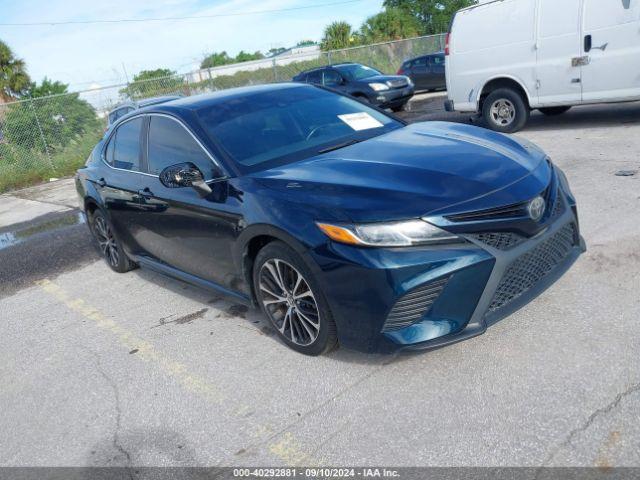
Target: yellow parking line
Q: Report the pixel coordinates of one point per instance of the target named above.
(285, 448)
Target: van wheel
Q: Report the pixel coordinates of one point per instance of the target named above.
(553, 111)
(505, 111)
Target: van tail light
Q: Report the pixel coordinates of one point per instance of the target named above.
(446, 43)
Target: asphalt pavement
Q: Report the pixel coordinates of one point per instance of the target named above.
(101, 369)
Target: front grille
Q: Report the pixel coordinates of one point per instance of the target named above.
(397, 83)
(529, 269)
(517, 210)
(414, 305)
(499, 240)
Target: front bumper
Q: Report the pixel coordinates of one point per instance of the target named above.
(394, 98)
(483, 285)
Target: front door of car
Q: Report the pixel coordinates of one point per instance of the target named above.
(420, 73)
(559, 58)
(611, 30)
(436, 71)
(118, 188)
(332, 79)
(179, 227)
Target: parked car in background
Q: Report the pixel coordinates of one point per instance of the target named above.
(128, 107)
(364, 83)
(343, 224)
(427, 72)
(507, 58)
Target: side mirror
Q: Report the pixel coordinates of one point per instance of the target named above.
(185, 175)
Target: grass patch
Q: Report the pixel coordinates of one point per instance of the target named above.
(21, 168)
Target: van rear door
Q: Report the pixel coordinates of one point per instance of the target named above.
(559, 52)
(612, 30)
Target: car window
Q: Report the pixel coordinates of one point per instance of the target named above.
(170, 143)
(123, 150)
(332, 78)
(315, 77)
(419, 62)
(356, 71)
(437, 60)
(273, 128)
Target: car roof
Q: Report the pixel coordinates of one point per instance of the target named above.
(155, 100)
(434, 54)
(199, 102)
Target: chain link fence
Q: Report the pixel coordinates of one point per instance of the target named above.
(47, 137)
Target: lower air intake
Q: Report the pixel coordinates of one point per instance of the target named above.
(412, 307)
(532, 267)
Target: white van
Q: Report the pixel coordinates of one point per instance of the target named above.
(508, 57)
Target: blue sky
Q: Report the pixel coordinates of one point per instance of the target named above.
(88, 56)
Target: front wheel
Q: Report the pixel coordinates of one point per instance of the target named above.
(553, 111)
(291, 299)
(505, 111)
(109, 246)
(400, 108)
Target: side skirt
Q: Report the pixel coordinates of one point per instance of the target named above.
(170, 271)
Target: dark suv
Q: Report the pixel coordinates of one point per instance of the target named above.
(427, 71)
(364, 83)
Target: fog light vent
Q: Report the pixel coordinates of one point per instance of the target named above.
(413, 306)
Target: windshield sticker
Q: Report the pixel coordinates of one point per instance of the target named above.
(360, 121)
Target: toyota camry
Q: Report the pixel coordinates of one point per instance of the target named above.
(343, 224)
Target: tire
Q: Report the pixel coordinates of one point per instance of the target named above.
(554, 111)
(505, 111)
(400, 108)
(300, 316)
(108, 245)
(363, 99)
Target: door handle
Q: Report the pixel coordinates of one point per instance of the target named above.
(102, 183)
(588, 43)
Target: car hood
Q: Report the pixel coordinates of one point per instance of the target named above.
(424, 169)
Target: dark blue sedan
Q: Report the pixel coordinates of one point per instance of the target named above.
(344, 225)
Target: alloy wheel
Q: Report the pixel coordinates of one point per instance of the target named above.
(503, 112)
(106, 241)
(289, 301)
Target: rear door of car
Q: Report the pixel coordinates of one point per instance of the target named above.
(178, 227)
(121, 182)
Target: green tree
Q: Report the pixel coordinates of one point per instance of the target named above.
(216, 60)
(47, 88)
(276, 51)
(14, 80)
(247, 57)
(152, 83)
(434, 15)
(338, 35)
(391, 24)
(61, 118)
(305, 43)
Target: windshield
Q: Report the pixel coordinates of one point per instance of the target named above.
(271, 128)
(357, 72)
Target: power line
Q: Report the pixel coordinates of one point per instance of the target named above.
(167, 19)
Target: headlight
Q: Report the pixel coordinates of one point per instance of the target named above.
(379, 87)
(396, 234)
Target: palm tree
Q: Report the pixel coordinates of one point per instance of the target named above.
(336, 36)
(14, 80)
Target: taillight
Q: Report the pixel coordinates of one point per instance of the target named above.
(400, 72)
(446, 44)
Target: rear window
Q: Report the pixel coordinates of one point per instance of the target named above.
(266, 129)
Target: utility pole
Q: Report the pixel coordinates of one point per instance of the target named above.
(126, 77)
